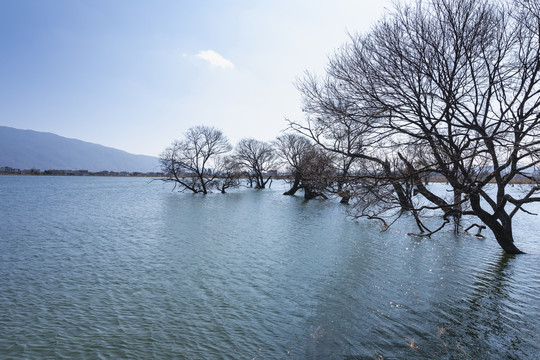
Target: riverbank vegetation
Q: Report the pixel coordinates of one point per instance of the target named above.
(436, 90)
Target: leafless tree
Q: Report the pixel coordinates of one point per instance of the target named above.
(311, 168)
(230, 173)
(195, 163)
(256, 157)
(291, 148)
(360, 145)
(444, 87)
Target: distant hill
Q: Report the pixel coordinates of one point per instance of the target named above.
(26, 149)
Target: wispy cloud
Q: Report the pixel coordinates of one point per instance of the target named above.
(215, 59)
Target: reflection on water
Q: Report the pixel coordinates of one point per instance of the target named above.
(119, 268)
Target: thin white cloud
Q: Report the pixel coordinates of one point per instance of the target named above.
(215, 59)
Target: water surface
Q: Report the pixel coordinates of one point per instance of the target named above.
(122, 268)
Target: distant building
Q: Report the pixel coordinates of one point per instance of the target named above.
(6, 170)
(76, 172)
(30, 172)
(54, 172)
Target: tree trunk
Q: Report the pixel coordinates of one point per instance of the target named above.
(345, 195)
(457, 208)
(203, 184)
(265, 182)
(501, 226)
(404, 200)
(345, 199)
(310, 194)
(504, 237)
(295, 187)
(259, 181)
(250, 180)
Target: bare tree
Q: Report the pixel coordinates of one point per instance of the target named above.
(194, 163)
(230, 173)
(257, 158)
(311, 169)
(444, 87)
(362, 147)
(291, 148)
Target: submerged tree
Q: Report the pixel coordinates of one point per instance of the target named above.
(256, 157)
(291, 148)
(195, 163)
(230, 173)
(361, 147)
(310, 168)
(444, 87)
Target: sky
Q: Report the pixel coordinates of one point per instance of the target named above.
(135, 75)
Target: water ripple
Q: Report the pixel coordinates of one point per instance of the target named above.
(118, 268)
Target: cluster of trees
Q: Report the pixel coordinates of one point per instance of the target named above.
(204, 160)
(447, 88)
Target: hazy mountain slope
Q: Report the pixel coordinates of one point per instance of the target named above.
(25, 149)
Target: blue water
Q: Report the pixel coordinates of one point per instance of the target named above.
(120, 268)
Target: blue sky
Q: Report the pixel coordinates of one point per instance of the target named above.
(135, 74)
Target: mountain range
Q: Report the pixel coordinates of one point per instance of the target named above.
(27, 149)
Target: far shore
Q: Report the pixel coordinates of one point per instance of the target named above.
(81, 173)
(85, 173)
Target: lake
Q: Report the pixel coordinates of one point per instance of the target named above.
(124, 268)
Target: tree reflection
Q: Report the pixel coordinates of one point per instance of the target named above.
(487, 326)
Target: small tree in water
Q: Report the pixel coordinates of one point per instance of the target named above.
(196, 162)
(311, 168)
(256, 157)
